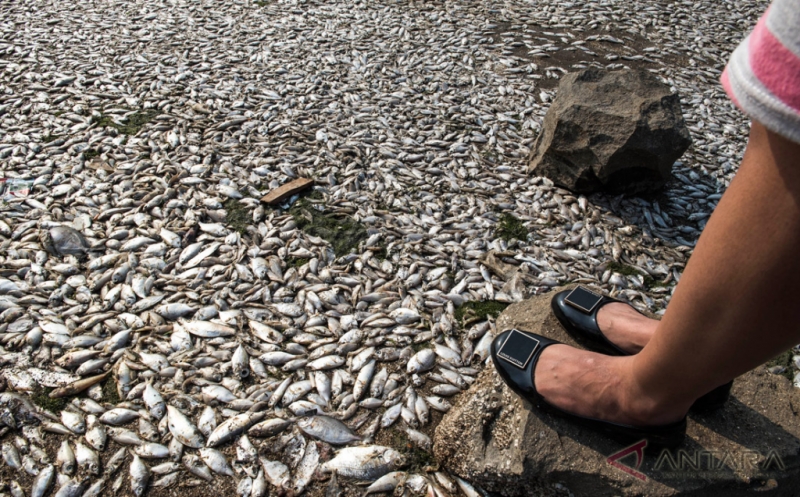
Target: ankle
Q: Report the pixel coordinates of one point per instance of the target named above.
(653, 405)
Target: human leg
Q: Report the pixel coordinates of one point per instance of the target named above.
(733, 309)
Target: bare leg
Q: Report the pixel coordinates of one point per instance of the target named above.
(734, 308)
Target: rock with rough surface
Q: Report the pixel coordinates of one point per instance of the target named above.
(507, 446)
(617, 131)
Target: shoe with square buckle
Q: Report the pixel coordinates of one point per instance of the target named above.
(577, 310)
(515, 355)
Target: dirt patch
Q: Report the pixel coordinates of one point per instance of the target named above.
(785, 361)
(237, 216)
(110, 393)
(340, 230)
(473, 311)
(41, 397)
(510, 227)
(133, 123)
(90, 153)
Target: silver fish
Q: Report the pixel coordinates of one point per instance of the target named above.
(268, 427)
(140, 476)
(422, 361)
(328, 430)
(87, 458)
(233, 427)
(215, 460)
(277, 474)
(182, 429)
(387, 482)
(41, 484)
(364, 463)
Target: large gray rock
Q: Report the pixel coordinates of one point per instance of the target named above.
(617, 131)
(506, 446)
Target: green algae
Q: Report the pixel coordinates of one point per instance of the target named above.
(41, 397)
(237, 216)
(510, 227)
(133, 123)
(478, 311)
(343, 232)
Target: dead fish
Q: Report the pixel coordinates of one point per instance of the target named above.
(265, 332)
(422, 361)
(11, 456)
(175, 310)
(268, 427)
(387, 482)
(215, 460)
(154, 401)
(277, 474)
(87, 458)
(183, 429)
(233, 427)
(207, 329)
(41, 484)
(140, 476)
(65, 458)
(328, 430)
(364, 463)
(77, 386)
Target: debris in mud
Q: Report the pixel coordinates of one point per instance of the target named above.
(477, 311)
(510, 227)
(110, 393)
(285, 191)
(417, 458)
(130, 125)
(41, 397)
(237, 216)
(11, 188)
(63, 240)
(782, 365)
(90, 153)
(342, 231)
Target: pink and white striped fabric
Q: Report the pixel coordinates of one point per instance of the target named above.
(763, 74)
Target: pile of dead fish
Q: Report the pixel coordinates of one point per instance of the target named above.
(183, 349)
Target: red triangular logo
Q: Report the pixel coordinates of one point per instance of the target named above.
(638, 449)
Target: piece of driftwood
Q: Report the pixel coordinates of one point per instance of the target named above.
(287, 190)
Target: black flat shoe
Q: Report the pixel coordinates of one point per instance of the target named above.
(577, 310)
(515, 355)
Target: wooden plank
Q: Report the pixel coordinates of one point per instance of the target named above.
(285, 191)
